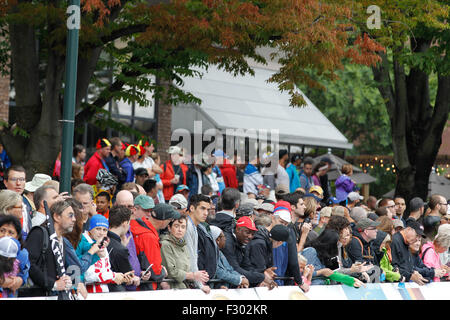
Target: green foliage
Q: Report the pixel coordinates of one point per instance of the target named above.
(354, 105)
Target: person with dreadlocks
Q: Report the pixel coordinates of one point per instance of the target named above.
(97, 161)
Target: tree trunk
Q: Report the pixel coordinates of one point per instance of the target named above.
(416, 126)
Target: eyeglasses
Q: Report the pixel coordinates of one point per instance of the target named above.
(444, 204)
(371, 228)
(17, 179)
(393, 206)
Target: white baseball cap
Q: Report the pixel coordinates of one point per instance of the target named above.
(284, 215)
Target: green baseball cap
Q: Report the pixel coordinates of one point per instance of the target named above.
(144, 201)
(164, 211)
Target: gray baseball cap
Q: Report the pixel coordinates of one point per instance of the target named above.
(365, 223)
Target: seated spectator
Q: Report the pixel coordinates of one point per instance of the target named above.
(401, 255)
(99, 273)
(432, 249)
(360, 248)
(234, 251)
(175, 257)
(398, 225)
(103, 202)
(346, 266)
(323, 255)
(325, 215)
(425, 272)
(10, 227)
(391, 274)
(259, 251)
(357, 213)
(225, 272)
(305, 269)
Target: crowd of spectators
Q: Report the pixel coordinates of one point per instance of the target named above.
(132, 223)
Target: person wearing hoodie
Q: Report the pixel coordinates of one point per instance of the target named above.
(230, 202)
(259, 251)
(99, 273)
(225, 272)
(431, 250)
(175, 256)
(344, 184)
(391, 274)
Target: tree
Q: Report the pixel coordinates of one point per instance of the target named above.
(354, 105)
(416, 34)
(166, 39)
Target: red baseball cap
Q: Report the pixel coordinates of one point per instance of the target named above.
(246, 222)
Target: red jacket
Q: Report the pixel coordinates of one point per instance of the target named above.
(91, 168)
(229, 174)
(146, 240)
(167, 175)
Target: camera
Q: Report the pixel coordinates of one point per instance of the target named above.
(307, 220)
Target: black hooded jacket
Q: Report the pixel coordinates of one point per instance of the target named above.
(259, 251)
(224, 221)
(235, 253)
(361, 250)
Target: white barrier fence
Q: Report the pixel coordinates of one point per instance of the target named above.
(374, 291)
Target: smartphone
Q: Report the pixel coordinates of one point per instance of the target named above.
(147, 270)
(102, 242)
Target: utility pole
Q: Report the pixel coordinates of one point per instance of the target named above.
(70, 89)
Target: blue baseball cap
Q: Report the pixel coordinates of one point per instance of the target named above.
(181, 187)
(98, 220)
(333, 200)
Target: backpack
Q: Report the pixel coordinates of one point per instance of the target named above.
(29, 289)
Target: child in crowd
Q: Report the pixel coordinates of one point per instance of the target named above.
(99, 274)
(10, 226)
(306, 270)
(103, 202)
(385, 263)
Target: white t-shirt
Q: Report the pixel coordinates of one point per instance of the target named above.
(282, 176)
(147, 163)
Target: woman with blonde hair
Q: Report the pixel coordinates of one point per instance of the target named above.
(432, 249)
(11, 203)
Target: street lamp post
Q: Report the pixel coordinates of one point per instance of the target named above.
(70, 88)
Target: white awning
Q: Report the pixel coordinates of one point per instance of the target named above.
(249, 102)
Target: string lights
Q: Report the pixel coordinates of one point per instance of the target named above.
(367, 162)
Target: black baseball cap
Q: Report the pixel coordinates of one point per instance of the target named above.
(417, 227)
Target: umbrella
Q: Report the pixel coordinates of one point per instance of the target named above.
(335, 171)
(436, 185)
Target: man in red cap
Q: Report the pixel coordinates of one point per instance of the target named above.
(234, 251)
(97, 161)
